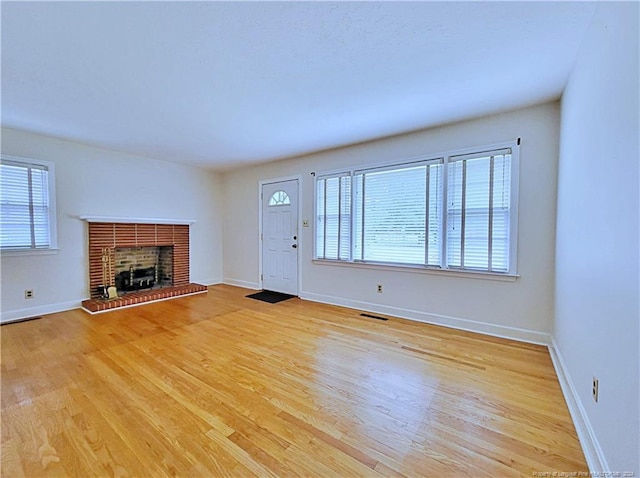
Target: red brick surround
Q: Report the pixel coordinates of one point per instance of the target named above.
(111, 235)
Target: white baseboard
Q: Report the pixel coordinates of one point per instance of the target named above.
(590, 445)
(241, 283)
(19, 314)
(207, 282)
(514, 333)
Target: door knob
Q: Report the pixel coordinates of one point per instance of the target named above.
(295, 246)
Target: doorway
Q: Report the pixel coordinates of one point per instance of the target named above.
(280, 236)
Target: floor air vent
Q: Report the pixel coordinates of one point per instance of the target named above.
(373, 316)
(17, 321)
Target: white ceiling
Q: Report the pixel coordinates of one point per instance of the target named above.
(219, 84)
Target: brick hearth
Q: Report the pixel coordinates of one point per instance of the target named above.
(135, 298)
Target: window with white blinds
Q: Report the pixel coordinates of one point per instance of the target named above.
(397, 214)
(333, 225)
(454, 212)
(478, 211)
(27, 218)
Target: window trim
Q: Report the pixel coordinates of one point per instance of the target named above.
(53, 223)
(446, 157)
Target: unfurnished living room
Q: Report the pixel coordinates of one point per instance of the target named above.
(320, 239)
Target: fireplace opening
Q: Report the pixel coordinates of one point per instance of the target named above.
(136, 279)
(140, 268)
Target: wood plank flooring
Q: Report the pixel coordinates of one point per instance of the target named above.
(221, 385)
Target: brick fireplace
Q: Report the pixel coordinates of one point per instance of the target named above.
(116, 248)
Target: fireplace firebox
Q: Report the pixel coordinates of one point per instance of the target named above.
(139, 268)
(136, 279)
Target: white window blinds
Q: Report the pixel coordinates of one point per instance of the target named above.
(24, 205)
(333, 221)
(478, 211)
(454, 212)
(397, 214)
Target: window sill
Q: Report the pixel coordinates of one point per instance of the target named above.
(421, 270)
(28, 252)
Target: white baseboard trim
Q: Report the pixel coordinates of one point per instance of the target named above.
(514, 333)
(241, 283)
(590, 445)
(19, 314)
(207, 282)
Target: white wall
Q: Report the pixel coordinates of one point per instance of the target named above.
(91, 181)
(521, 309)
(597, 287)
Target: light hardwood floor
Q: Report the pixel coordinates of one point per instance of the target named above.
(221, 385)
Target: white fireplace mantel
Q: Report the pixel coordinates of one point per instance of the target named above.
(136, 220)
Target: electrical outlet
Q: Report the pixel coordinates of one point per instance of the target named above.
(305, 223)
(594, 389)
(379, 288)
(28, 294)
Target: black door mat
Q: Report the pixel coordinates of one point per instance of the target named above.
(270, 296)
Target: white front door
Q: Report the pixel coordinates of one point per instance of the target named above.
(280, 237)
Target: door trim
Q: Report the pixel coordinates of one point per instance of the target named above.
(298, 179)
